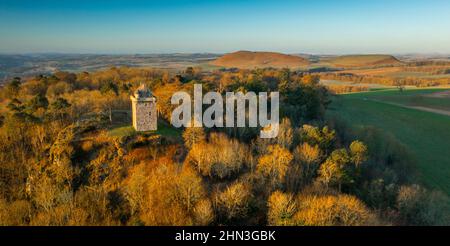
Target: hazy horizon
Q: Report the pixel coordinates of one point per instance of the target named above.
(149, 27)
(222, 53)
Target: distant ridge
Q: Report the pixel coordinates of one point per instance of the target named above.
(249, 60)
(364, 60)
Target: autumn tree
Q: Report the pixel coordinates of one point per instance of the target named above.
(329, 210)
(358, 152)
(311, 80)
(417, 206)
(193, 135)
(170, 196)
(308, 158)
(13, 87)
(59, 108)
(275, 164)
(285, 136)
(219, 157)
(324, 137)
(281, 209)
(110, 90)
(203, 212)
(233, 202)
(334, 171)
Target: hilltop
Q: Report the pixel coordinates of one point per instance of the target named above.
(364, 60)
(248, 59)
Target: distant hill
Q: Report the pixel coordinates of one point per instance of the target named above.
(249, 60)
(24, 65)
(364, 60)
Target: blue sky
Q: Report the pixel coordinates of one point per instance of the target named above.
(319, 27)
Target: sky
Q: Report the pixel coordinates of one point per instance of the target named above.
(173, 26)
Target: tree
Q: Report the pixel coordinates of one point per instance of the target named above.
(285, 136)
(188, 188)
(284, 81)
(16, 213)
(358, 152)
(13, 87)
(219, 157)
(324, 137)
(59, 107)
(275, 164)
(190, 72)
(311, 80)
(203, 212)
(135, 187)
(193, 135)
(37, 102)
(328, 210)
(169, 196)
(281, 209)
(59, 89)
(400, 84)
(417, 206)
(308, 157)
(110, 90)
(233, 202)
(15, 105)
(335, 169)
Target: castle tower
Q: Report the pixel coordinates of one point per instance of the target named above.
(144, 110)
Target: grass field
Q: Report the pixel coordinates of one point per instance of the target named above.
(128, 130)
(426, 134)
(122, 126)
(410, 98)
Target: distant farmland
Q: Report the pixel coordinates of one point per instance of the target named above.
(425, 134)
(364, 60)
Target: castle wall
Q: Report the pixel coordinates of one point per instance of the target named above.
(144, 114)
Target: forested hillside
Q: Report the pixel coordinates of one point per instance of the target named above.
(66, 160)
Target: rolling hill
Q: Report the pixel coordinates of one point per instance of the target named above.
(248, 60)
(364, 60)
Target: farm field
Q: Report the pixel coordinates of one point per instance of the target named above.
(438, 98)
(425, 134)
(394, 72)
(348, 83)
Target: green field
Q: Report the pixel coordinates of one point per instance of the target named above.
(410, 98)
(128, 130)
(426, 134)
(347, 83)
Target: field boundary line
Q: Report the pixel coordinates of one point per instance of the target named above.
(420, 108)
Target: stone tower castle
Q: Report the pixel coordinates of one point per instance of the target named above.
(144, 110)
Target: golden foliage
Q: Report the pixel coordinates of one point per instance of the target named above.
(193, 135)
(308, 154)
(359, 152)
(275, 164)
(167, 195)
(233, 202)
(341, 210)
(219, 157)
(281, 209)
(203, 212)
(15, 213)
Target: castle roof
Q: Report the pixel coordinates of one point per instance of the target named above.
(142, 92)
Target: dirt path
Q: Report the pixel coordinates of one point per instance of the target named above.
(433, 110)
(426, 109)
(440, 94)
